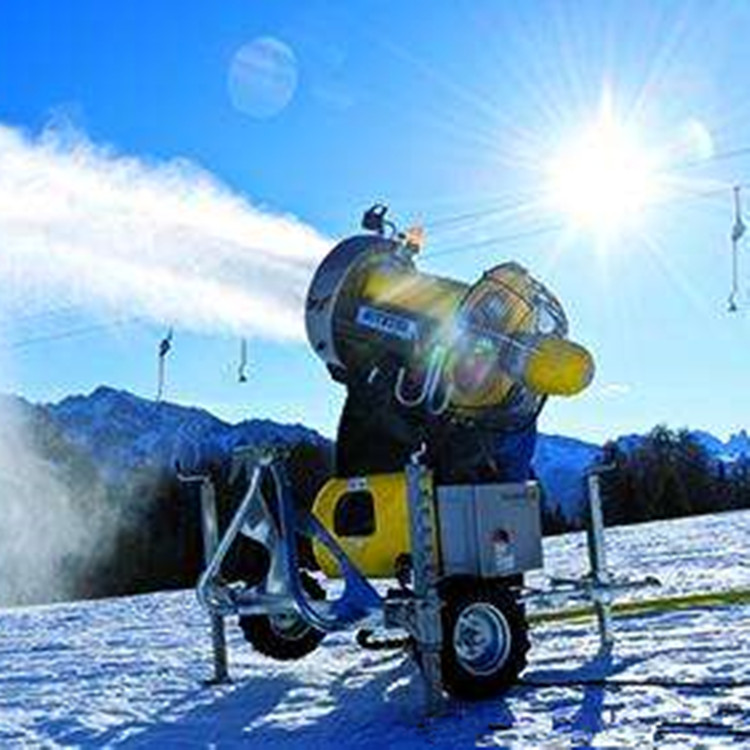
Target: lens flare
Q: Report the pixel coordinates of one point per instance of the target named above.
(604, 178)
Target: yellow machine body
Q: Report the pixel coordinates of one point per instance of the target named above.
(487, 353)
(551, 365)
(380, 501)
(429, 296)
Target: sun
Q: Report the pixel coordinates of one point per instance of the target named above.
(604, 178)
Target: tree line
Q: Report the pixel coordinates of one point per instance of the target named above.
(160, 545)
(664, 474)
(670, 474)
(154, 539)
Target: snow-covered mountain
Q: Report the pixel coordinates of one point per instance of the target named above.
(560, 464)
(121, 431)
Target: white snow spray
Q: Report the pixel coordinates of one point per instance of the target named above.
(110, 235)
(54, 525)
(165, 242)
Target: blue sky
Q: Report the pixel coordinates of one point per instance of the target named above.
(438, 109)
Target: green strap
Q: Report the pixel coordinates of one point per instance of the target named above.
(649, 606)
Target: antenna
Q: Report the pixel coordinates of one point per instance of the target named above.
(164, 348)
(738, 230)
(242, 369)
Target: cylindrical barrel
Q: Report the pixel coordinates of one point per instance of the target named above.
(502, 339)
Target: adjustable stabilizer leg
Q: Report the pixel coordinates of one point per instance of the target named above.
(277, 527)
(358, 599)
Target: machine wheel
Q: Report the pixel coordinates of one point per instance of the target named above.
(286, 636)
(485, 639)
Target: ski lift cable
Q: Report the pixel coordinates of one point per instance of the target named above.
(519, 200)
(50, 312)
(525, 201)
(499, 239)
(68, 334)
(559, 226)
(725, 155)
(516, 202)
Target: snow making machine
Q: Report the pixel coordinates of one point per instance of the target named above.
(442, 564)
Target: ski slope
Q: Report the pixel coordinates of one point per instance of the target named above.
(127, 672)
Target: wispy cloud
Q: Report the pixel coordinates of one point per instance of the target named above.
(168, 242)
(610, 390)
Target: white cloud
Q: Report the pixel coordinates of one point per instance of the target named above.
(167, 242)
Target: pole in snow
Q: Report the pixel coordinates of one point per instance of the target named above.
(598, 559)
(210, 526)
(210, 534)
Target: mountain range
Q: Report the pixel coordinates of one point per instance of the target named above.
(120, 431)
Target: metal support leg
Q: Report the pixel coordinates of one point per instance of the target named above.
(282, 591)
(210, 543)
(598, 560)
(210, 529)
(428, 625)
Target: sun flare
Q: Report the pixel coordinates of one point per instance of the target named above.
(604, 178)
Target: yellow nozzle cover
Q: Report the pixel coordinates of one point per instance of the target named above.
(557, 367)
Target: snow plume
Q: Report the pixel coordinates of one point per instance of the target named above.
(120, 238)
(164, 242)
(56, 525)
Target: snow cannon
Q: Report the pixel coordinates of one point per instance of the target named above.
(488, 352)
(452, 556)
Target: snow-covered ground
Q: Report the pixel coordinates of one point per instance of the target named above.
(128, 672)
(702, 553)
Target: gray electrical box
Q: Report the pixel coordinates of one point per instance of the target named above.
(490, 530)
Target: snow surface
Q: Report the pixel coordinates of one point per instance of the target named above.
(127, 672)
(687, 555)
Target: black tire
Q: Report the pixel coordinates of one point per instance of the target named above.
(252, 561)
(492, 610)
(284, 637)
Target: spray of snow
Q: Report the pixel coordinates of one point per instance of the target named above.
(120, 236)
(164, 242)
(56, 524)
